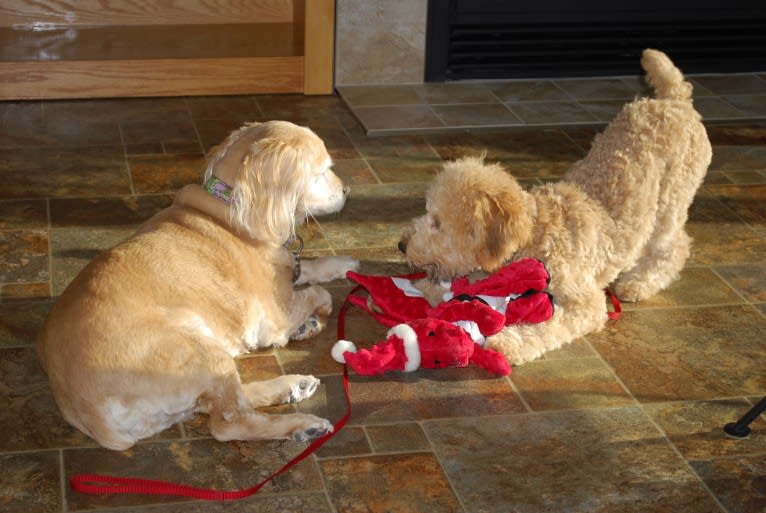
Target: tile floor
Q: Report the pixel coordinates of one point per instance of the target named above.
(624, 420)
(472, 105)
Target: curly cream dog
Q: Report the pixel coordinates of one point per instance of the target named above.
(617, 217)
(146, 334)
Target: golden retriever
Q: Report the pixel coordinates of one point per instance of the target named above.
(617, 217)
(146, 334)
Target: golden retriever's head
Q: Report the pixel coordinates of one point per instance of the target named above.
(280, 174)
(476, 219)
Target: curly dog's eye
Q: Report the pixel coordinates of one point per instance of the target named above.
(436, 223)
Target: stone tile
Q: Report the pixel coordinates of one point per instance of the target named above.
(749, 105)
(20, 369)
(476, 115)
(56, 172)
(732, 83)
(590, 460)
(665, 355)
(19, 322)
(337, 142)
(696, 428)
(527, 90)
(720, 236)
(696, 286)
(373, 96)
(546, 113)
(23, 256)
(563, 384)
(603, 110)
(407, 146)
(737, 134)
(600, 89)
(738, 158)
(213, 132)
(375, 215)
(25, 291)
(198, 463)
(111, 211)
(389, 483)
(30, 482)
(73, 248)
(354, 171)
(32, 421)
(397, 118)
(236, 108)
(454, 92)
(579, 348)
(420, 395)
(406, 436)
(350, 441)
(748, 280)
(737, 483)
(165, 173)
(392, 170)
(163, 131)
(23, 215)
(283, 503)
(716, 108)
(748, 202)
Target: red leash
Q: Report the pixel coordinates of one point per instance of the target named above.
(615, 303)
(101, 484)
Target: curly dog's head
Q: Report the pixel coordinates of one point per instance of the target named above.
(476, 219)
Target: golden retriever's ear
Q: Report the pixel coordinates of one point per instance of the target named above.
(506, 226)
(268, 188)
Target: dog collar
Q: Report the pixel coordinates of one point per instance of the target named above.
(219, 189)
(296, 255)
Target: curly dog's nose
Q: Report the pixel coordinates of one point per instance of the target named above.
(402, 246)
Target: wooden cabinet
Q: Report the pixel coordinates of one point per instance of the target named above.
(126, 48)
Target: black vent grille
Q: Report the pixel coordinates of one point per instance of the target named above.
(486, 39)
(498, 51)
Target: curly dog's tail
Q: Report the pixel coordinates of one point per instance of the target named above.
(667, 80)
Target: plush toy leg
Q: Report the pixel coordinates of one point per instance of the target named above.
(514, 278)
(490, 360)
(529, 308)
(395, 306)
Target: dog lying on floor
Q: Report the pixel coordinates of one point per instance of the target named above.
(146, 334)
(616, 218)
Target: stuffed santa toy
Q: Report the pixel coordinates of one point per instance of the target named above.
(453, 332)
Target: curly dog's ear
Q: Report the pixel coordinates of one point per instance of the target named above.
(506, 223)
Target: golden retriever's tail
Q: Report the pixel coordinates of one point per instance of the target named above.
(667, 80)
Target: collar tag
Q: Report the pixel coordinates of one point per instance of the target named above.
(219, 189)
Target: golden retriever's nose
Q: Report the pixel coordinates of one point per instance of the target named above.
(402, 246)
(346, 190)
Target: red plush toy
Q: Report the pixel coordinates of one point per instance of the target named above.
(451, 334)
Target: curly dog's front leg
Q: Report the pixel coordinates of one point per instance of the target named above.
(571, 319)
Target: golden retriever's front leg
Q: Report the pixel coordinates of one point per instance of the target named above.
(324, 269)
(310, 309)
(571, 319)
(291, 388)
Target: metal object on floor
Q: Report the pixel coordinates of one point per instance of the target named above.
(740, 429)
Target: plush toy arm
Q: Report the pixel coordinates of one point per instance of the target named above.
(529, 308)
(490, 360)
(489, 320)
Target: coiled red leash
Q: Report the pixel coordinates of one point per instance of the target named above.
(101, 484)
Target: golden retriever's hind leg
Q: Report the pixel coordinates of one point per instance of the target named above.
(253, 425)
(292, 388)
(311, 309)
(655, 270)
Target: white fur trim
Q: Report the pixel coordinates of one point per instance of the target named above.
(407, 287)
(472, 329)
(340, 347)
(411, 346)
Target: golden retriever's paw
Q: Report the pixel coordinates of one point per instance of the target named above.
(308, 329)
(325, 269)
(313, 428)
(302, 388)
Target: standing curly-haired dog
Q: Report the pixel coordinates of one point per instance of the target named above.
(146, 334)
(617, 217)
